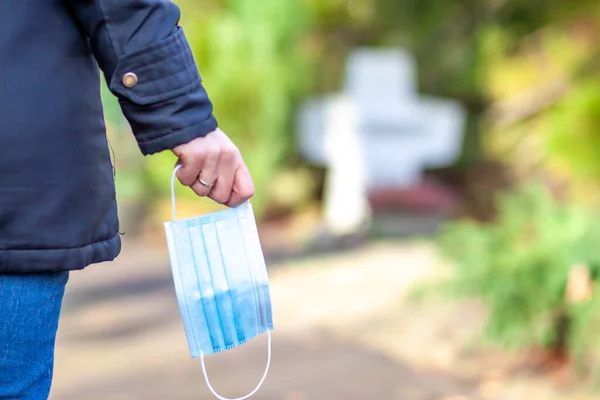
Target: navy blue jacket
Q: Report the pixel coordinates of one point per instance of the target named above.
(57, 194)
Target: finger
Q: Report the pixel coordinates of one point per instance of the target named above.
(228, 164)
(243, 187)
(209, 173)
(191, 164)
(193, 160)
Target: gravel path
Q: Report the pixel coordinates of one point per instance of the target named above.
(121, 337)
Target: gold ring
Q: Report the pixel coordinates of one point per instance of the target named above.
(206, 185)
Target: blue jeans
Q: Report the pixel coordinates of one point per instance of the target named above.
(29, 310)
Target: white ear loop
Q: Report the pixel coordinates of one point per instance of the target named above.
(173, 176)
(218, 396)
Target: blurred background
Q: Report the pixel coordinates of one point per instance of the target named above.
(427, 187)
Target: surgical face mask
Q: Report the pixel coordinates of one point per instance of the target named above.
(221, 281)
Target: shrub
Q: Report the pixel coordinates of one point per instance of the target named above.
(536, 268)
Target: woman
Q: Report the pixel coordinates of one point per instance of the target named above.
(57, 197)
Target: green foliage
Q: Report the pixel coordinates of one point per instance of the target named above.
(583, 340)
(254, 67)
(519, 267)
(258, 59)
(573, 141)
(543, 74)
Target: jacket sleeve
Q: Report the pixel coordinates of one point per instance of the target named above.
(149, 66)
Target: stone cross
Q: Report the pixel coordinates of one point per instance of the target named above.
(377, 133)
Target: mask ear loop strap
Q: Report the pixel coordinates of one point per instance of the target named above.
(251, 393)
(173, 176)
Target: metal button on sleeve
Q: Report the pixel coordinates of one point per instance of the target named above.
(130, 80)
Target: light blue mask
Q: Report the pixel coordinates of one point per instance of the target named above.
(221, 281)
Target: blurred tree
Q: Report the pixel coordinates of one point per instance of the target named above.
(544, 88)
(254, 65)
(538, 71)
(523, 68)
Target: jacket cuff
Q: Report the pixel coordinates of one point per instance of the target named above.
(161, 95)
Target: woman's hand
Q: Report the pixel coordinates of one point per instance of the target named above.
(213, 166)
